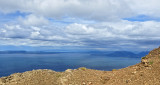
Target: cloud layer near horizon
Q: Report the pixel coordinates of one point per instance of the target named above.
(93, 23)
(88, 9)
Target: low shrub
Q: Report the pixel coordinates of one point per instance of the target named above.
(114, 69)
(143, 58)
(83, 68)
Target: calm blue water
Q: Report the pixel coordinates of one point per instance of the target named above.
(13, 63)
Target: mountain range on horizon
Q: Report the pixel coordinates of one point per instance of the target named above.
(101, 53)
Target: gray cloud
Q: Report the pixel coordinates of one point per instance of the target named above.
(99, 35)
(102, 10)
(92, 23)
(88, 9)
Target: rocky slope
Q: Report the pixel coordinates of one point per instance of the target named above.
(147, 72)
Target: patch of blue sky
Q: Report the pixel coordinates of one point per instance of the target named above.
(11, 16)
(69, 20)
(59, 21)
(142, 18)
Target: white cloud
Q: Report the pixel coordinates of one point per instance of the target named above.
(87, 9)
(34, 34)
(79, 29)
(14, 31)
(103, 10)
(104, 34)
(145, 7)
(116, 30)
(91, 22)
(33, 20)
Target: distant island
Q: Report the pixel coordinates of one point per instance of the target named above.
(104, 53)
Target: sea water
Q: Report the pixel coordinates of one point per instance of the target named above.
(14, 63)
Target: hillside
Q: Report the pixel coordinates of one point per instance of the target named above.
(144, 73)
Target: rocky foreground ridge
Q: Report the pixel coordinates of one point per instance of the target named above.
(147, 72)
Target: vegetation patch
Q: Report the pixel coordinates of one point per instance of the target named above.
(143, 58)
(114, 69)
(83, 68)
(151, 62)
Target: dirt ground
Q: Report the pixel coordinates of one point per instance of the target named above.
(147, 72)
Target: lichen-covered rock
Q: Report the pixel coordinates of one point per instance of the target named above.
(68, 70)
(145, 62)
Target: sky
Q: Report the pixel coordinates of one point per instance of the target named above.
(104, 25)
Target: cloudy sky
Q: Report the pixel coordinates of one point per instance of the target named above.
(132, 25)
